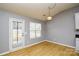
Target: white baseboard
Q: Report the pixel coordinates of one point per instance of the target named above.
(21, 48)
(35, 44)
(59, 43)
(4, 53)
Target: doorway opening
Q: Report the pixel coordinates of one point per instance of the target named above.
(16, 33)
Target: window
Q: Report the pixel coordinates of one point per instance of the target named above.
(35, 30)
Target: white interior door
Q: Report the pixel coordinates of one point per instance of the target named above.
(16, 33)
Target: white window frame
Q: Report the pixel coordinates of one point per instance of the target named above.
(36, 30)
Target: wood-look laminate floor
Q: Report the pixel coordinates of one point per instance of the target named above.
(44, 49)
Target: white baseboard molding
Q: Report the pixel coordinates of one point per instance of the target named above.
(21, 48)
(35, 44)
(4, 53)
(59, 43)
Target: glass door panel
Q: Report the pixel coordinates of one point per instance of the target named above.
(20, 33)
(17, 33)
(14, 34)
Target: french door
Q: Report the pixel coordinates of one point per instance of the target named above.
(16, 33)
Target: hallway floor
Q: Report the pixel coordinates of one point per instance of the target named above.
(44, 49)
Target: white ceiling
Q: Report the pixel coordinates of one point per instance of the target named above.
(36, 10)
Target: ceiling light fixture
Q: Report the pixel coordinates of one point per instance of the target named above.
(50, 17)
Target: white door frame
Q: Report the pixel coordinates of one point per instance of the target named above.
(10, 35)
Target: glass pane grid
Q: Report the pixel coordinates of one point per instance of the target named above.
(17, 34)
(35, 30)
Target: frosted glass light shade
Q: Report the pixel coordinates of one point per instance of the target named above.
(49, 18)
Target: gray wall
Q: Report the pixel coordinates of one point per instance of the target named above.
(62, 28)
(4, 30)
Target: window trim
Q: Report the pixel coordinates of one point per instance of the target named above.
(36, 30)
